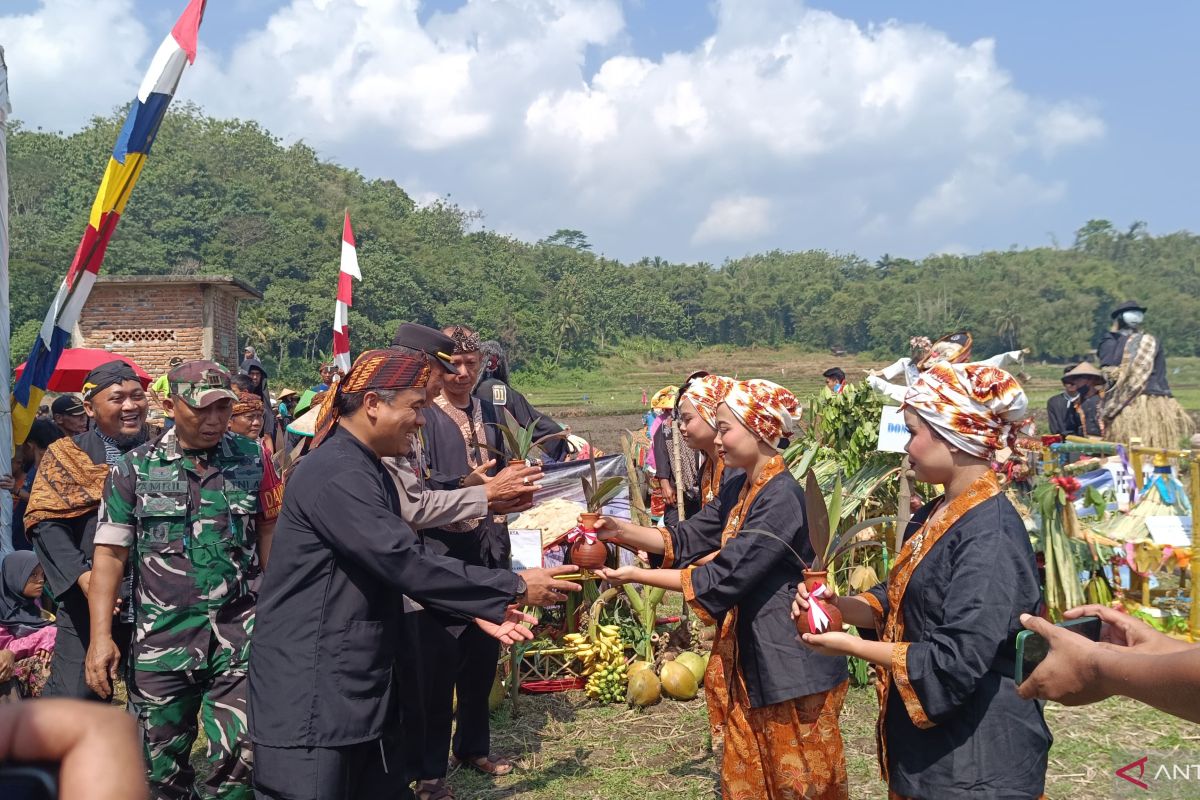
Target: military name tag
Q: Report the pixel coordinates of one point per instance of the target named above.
(499, 394)
(162, 487)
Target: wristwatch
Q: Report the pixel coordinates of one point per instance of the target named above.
(522, 588)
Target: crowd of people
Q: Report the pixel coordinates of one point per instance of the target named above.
(334, 627)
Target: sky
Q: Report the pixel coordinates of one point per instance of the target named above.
(692, 130)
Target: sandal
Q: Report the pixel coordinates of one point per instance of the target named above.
(433, 790)
(496, 767)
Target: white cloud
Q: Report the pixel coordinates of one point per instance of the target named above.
(734, 219)
(73, 59)
(887, 137)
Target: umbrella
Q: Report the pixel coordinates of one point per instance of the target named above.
(75, 363)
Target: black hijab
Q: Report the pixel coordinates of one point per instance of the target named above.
(15, 607)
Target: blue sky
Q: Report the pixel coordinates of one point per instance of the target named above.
(689, 129)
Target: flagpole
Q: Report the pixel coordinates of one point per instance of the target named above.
(6, 431)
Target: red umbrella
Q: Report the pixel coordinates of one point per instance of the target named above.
(74, 365)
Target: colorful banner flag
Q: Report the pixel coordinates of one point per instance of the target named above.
(177, 51)
(341, 312)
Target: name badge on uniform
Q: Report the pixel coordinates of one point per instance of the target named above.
(162, 473)
(169, 487)
(499, 394)
(160, 504)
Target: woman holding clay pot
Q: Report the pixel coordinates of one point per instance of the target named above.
(774, 700)
(951, 724)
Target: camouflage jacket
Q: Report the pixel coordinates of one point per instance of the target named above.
(191, 530)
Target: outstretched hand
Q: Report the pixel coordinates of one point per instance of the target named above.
(620, 575)
(515, 628)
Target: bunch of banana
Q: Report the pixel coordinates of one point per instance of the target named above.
(1097, 590)
(603, 660)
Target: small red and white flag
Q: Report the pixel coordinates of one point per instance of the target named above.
(341, 313)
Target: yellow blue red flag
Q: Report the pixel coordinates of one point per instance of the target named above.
(129, 155)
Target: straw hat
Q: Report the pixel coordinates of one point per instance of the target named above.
(1085, 370)
(306, 423)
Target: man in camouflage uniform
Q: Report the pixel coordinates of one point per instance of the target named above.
(190, 507)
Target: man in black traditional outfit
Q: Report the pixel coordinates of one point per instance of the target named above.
(457, 660)
(62, 510)
(494, 388)
(329, 617)
(424, 507)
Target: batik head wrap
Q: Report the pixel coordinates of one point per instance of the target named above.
(706, 393)
(389, 369)
(977, 408)
(767, 409)
(464, 341)
(664, 398)
(247, 403)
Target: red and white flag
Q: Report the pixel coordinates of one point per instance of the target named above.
(341, 313)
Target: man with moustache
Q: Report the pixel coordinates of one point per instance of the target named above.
(61, 516)
(329, 625)
(191, 508)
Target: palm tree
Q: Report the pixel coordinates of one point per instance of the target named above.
(566, 323)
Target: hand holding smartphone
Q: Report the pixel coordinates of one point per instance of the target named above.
(1032, 648)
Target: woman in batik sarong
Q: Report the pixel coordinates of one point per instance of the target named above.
(775, 702)
(951, 724)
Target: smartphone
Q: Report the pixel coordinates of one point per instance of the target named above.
(1032, 648)
(29, 781)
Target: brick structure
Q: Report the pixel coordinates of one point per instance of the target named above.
(151, 318)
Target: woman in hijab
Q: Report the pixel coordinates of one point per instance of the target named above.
(950, 723)
(775, 702)
(26, 637)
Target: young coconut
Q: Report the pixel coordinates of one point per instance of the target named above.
(678, 681)
(636, 666)
(644, 688)
(693, 661)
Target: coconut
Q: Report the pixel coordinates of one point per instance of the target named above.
(693, 661)
(644, 688)
(678, 681)
(635, 666)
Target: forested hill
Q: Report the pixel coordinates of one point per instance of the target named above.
(224, 196)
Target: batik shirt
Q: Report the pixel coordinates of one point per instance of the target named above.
(190, 520)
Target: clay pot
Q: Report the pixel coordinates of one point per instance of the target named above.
(517, 462)
(585, 554)
(588, 555)
(811, 579)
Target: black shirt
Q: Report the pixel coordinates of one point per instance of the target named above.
(758, 575)
(1059, 413)
(329, 616)
(65, 546)
(499, 395)
(962, 611)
